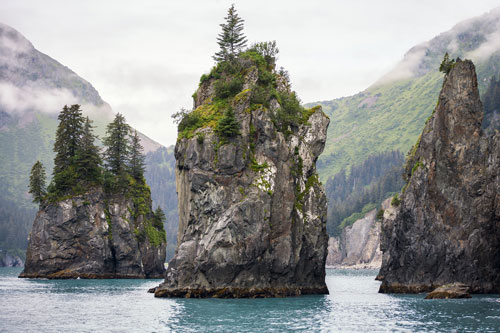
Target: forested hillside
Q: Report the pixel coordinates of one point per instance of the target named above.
(390, 114)
(354, 192)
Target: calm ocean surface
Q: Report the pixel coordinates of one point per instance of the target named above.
(124, 306)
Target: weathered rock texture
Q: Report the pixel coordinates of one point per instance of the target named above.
(452, 290)
(447, 227)
(250, 228)
(92, 236)
(358, 246)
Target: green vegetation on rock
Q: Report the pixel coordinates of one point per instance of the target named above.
(37, 182)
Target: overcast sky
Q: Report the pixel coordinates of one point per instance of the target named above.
(145, 57)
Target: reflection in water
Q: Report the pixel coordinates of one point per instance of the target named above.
(124, 305)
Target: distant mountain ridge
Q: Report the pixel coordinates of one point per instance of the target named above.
(390, 114)
(33, 89)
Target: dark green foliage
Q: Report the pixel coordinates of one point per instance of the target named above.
(447, 64)
(290, 114)
(395, 200)
(77, 163)
(88, 160)
(159, 218)
(491, 105)
(380, 214)
(136, 160)
(37, 182)
(117, 145)
(367, 185)
(269, 50)
(68, 135)
(228, 126)
(260, 95)
(156, 237)
(187, 120)
(231, 40)
(228, 88)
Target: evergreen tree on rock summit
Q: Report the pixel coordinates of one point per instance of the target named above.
(136, 160)
(88, 158)
(231, 40)
(117, 145)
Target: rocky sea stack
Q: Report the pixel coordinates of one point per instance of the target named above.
(95, 236)
(446, 227)
(94, 221)
(252, 212)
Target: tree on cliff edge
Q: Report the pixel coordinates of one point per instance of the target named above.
(447, 64)
(37, 182)
(231, 40)
(88, 156)
(136, 160)
(68, 136)
(117, 145)
(66, 146)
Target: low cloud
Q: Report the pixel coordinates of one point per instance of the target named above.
(486, 49)
(407, 67)
(30, 97)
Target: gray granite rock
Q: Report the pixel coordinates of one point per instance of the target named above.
(247, 231)
(447, 226)
(92, 236)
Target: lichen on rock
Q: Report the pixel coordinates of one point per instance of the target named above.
(252, 212)
(446, 228)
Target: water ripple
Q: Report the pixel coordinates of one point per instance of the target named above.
(124, 306)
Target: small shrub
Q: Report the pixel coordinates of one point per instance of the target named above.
(395, 201)
(380, 214)
(416, 166)
(190, 120)
(260, 95)
(204, 77)
(225, 89)
(200, 138)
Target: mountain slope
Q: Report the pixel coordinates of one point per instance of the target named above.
(390, 114)
(33, 89)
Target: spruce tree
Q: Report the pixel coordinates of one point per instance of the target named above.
(159, 218)
(136, 161)
(228, 126)
(68, 135)
(447, 64)
(117, 145)
(88, 159)
(231, 40)
(37, 182)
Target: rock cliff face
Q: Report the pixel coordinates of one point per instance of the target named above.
(447, 226)
(8, 260)
(359, 245)
(94, 236)
(252, 212)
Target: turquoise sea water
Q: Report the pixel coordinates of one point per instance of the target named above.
(124, 306)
